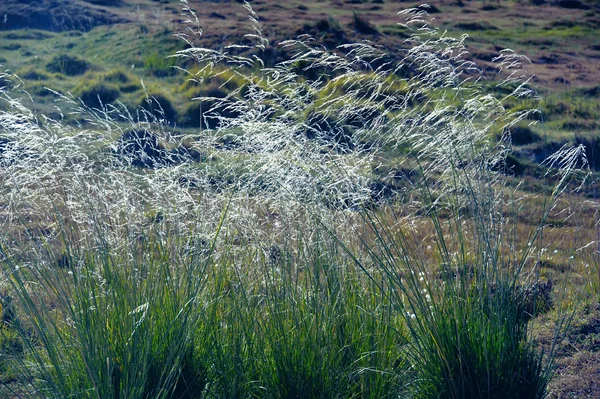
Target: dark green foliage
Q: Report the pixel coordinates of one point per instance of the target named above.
(159, 106)
(556, 108)
(592, 91)
(12, 46)
(489, 7)
(136, 342)
(429, 9)
(362, 25)
(54, 15)
(67, 65)
(478, 349)
(468, 326)
(141, 148)
(592, 150)
(11, 347)
(326, 30)
(572, 4)
(474, 26)
(523, 135)
(107, 3)
(328, 24)
(8, 310)
(192, 116)
(206, 114)
(33, 74)
(513, 166)
(381, 191)
(322, 332)
(117, 76)
(95, 94)
(130, 87)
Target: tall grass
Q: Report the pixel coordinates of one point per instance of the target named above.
(134, 282)
(106, 321)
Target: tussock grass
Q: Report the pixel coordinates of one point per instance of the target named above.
(268, 269)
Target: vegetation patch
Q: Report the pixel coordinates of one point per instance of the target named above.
(158, 106)
(327, 30)
(159, 65)
(523, 135)
(12, 46)
(572, 4)
(362, 25)
(475, 26)
(106, 3)
(592, 150)
(67, 65)
(96, 94)
(32, 74)
(141, 148)
(54, 15)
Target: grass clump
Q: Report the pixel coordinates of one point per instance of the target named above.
(67, 65)
(469, 330)
(33, 74)
(132, 322)
(121, 79)
(524, 135)
(159, 65)
(159, 106)
(118, 76)
(363, 26)
(96, 94)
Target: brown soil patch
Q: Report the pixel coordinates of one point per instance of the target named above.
(578, 372)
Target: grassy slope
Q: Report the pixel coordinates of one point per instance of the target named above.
(133, 40)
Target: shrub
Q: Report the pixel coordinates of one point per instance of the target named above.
(119, 76)
(32, 74)
(67, 65)
(122, 79)
(523, 135)
(158, 106)
(592, 150)
(330, 132)
(208, 110)
(96, 94)
(328, 30)
(363, 26)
